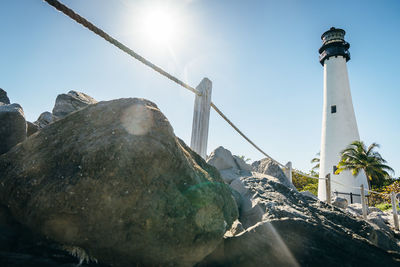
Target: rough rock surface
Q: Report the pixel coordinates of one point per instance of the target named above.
(44, 119)
(230, 166)
(19, 247)
(113, 180)
(268, 167)
(286, 228)
(3, 97)
(355, 209)
(31, 128)
(309, 194)
(12, 126)
(242, 165)
(340, 202)
(221, 159)
(70, 102)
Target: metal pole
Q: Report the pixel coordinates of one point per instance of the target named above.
(394, 209)
(201, 118)
(363, 204)
(351, 197)
(328, 188)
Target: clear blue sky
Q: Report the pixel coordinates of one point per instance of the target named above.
(262, 57)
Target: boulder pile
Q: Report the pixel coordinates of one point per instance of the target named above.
(113, 180)
(109, 182)
(278, 226)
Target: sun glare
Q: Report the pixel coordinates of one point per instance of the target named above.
(160, 25)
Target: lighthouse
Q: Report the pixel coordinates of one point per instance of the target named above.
(339, 125)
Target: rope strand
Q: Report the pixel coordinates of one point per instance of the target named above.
(76, 17)
(79, 19)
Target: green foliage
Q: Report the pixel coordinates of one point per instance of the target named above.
(376, 199)
(385, 206)
(357, 157)
(244, 158)
(316, 161)
(313, 188)
(303, 183)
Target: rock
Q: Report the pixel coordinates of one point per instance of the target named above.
(222, 159)
(19, 247)
(3, 97)
(73, 101)
(380, 221)
(268, 167)
(355, 209)
(230, 167)
(12, 126)
(375, 209)
(309, 194)
(296, 242)
(31, 128)
(44, 119)
(230, 175)
(296, 230)
(241, 164)
(236, 229)
(114, 180)
(340, 202)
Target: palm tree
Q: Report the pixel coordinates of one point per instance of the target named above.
(357, 157)
(316, 160)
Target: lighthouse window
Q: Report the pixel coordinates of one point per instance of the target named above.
(333, 109)
(334, 169)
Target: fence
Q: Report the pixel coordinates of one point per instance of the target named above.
(351, 196)
(202, 106)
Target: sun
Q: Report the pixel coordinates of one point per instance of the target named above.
(160, 25)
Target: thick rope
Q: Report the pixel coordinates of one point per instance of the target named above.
(76, 17)
(79, 19)
(243, 135)
(70, 13)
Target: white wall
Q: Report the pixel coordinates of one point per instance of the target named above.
(338, 129)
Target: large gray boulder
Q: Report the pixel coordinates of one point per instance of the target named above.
(231, 167)
(3, 97)
(222, 159)
(70, 102)
(12, 126)
(19, 247)
(114, 180)
(296, 230)
(340, 202)
(31, 128)
(269, 167)
(44, 119)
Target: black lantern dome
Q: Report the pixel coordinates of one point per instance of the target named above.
(333, 44)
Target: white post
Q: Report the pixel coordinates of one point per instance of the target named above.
(394, 209)
(289, 170)
(201, 118)
(328, 188)
(363, 203)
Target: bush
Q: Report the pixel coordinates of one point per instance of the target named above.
(385, 207)
(304, 183)
(376, 199)
(313, 188)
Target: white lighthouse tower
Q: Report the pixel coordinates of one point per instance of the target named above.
(339, 125)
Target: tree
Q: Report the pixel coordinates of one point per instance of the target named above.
(357, 157)
(316, 160)
(304, 183)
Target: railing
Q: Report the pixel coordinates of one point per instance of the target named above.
(202, 106)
